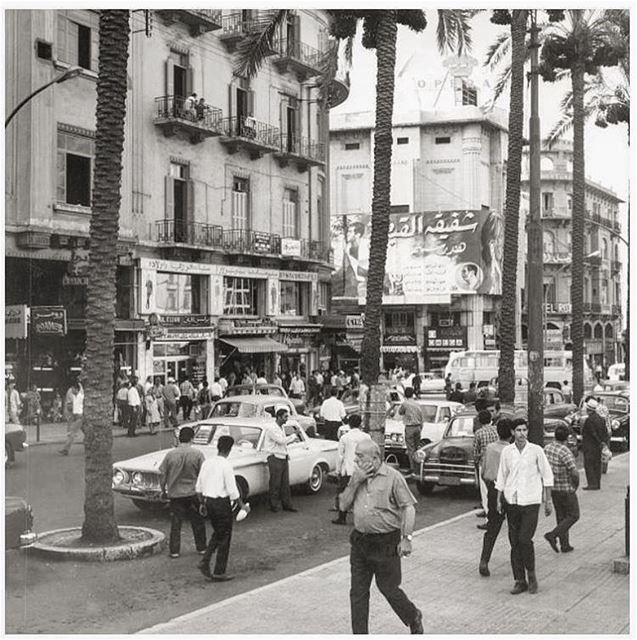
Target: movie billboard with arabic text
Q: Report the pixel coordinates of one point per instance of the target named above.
(430, 256)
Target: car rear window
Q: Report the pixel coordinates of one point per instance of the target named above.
(461, 427)
(234, 409)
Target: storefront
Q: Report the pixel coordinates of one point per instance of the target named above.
(302, 342)
(399, 347)
(440, 342)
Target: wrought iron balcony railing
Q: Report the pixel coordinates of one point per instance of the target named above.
(195, 233)
(302, 150)
(198, 20)
(248, 241)
(250, 133)
(299, 57)
(198, 121)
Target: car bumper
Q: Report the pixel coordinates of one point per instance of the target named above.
(140, 494)
(27, 539)
(448, 480)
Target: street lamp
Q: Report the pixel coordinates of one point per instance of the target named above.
(71, 72)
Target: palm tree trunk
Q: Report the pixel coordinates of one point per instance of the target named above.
(99, 524)
(370, 349)
(579, 186)
(506, 371)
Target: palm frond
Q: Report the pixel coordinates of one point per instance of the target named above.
(253, 49)
(565, 124)
(454, 31)
(498, 50)
(502, 83)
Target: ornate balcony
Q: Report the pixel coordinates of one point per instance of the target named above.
(587, 307)
(171, 117)
(248, 241)
(199, 21)
(615, 266)
(299, 58)
(593, 261)
(616, 310)
(296, 248)
(171, 232)
(257, 138)
(234, 27)
(339, 89)
(300, 151)
(556, 213)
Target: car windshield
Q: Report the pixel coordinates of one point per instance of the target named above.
(460, 427)
(616, 404)
(244, 437)
(234, 409)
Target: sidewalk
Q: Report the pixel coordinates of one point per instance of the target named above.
(578, 592)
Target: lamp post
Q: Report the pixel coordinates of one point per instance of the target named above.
(71, 72)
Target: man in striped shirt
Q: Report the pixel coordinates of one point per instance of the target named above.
(564, 494)
(486, 434)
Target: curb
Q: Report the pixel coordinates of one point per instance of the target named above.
(62, 439)
(154, 543)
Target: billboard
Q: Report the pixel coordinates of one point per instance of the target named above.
(430, 256)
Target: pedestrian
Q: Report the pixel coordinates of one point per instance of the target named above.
(148, 384)
(312, 390)
(73, 412)
(599, 373)
(345, 465)
(332, 411)
(412, 419)
(485, 435)
(297, 386)
(133, 409)
(524, 478)
(158, 390)
(205, 400)
(276, 446)
(216, 391)
(186, 396)
(490, 464)
(200, 109)
(337, 383)
(55, 414)
(448, 386)
(223, 383)
(217, 489)
(384, 517)
(416, 381)
(261, 379)
(564, 494)
(170, 395)
(567, 392)
(33, 403)
(457, 395)
(189, 106)
(277, 380)
(152, 412)
(470, 395)
(594, 434)
(14, 403)
(179, 471)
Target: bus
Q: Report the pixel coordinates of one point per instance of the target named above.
(481, 367)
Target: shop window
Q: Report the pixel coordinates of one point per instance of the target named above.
(240, 203)
(179, 293)
(290, 213)
(293, 298)
(241, 296)
(74, 167)
(78, 38)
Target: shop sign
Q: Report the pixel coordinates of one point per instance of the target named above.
(593, 347)
(77, 268)
(488, 331)
(155, 332)
(246, 326)
(293, 341)
(397, 337)
(446, 338)
(553, 336)
(299, 330)
(48, 321)
(355, 322)
(190, 320)
(262, 242)
(187, 333)
(298, 276)
(15, 321)
(557, 307)
(290, 247)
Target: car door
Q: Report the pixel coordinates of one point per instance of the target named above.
(299, 452)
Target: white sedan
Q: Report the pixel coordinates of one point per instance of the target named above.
(311, 459)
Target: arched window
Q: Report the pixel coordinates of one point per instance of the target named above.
(609, 331)
(604, 296)
(598, 332)
(546, 164)
(604, 248)
(588, 332)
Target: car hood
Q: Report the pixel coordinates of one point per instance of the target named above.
(463, 443)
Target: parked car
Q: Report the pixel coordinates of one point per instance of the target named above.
(615, 385)
(14, 440)
(311, 459)
(449, 462)
(18, 523)
(554, 404)
(264, 390)
(436, 413)
(432, 381)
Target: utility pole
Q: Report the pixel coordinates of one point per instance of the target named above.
(535, 257)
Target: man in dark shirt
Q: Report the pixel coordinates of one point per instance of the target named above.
(384, 518)
(594, 432)
(179, 470)
(412, 419)
(470, 396)
(457, 395)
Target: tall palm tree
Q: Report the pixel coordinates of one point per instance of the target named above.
(584, 42)
(379, 33)
(99, 524)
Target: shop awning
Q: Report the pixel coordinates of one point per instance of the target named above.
(399, 348)
(255, 344)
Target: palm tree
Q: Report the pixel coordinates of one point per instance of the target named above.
(586, 41)
(99, 524)
(379, 32)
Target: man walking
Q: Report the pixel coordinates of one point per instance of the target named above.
(74, 413)
(485, 435)
(133, 409)
(594, 433)
(217, 486)
(179, 471)
(564, 494)
(490, 464)
(346, 453)
(171, 397)
(524, 474)
(412, 419)
(276, 445)
(332, 411)
(384, 518)
(216, 391)
(186, 395)
(297, 387)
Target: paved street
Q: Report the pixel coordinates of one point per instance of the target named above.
(128, 596)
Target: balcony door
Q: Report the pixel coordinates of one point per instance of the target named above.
(179, 82)
(179, 201)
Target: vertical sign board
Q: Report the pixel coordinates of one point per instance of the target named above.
(48, 321)
(15, 321)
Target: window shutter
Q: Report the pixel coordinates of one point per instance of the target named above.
(189, 80)
(169, 198)
(95, 48)
(232, 102)
(250, 103)
(170, 83)
(283, 115)
(63, 23)
(190, 201)
(297, 32)
(61, 176)
(72, 43)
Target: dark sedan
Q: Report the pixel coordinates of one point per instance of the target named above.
(18, 523)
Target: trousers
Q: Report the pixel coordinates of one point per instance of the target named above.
(522, 522)
(343, 481)
(494, 522)
(186, 508)
(412, 440)
(593, 466)
(330, 429)
(566, 514)
(74, 427)
(220, 516)
(279, 487)
(375, 555)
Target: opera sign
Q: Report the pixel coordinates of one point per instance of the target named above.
(48, 321)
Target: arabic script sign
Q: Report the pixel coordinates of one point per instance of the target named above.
(48, 321)
(15, 321)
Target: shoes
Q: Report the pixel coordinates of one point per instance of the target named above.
(481, 514)
(63, 452)
(484, 526)
(532, 583)
(552, 541)
(222, 577)
(567, 549)
(339, 521)
(416, 626)
(205, 569)
(174, 555)
(291, 509)
(519, 587)
(483, 569)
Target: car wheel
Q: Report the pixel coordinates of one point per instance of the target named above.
(315, 483)
(425, 488)
(144, 505)
(242, 485)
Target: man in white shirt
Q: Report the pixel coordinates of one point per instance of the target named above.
(216, 391)
(217, 486)
(346, 454)
(224, 385)
(74, 411)
(134, 403)
(261, 379)
(524, 477)
(332, 411)
(297, 387)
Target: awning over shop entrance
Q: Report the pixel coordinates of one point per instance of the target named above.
(255, 344)
(399, 348)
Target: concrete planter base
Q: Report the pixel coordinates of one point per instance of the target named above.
(65, 544)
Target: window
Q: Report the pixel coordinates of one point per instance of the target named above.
(240, 203)
(569, 201)
(547, 202)
(240, 296)
(549, 243)
(324, 295)
(179, 293)
(350, 146)
(44, 50)
(74, 167)
(443, 140)
(179, 200)
(469, 93)
(604, 248)
(77, 38)
(290, 213)
(604, 295)
(320, 209)
(292, 298)
(402, 140)
(290, 123)
(399, 208)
